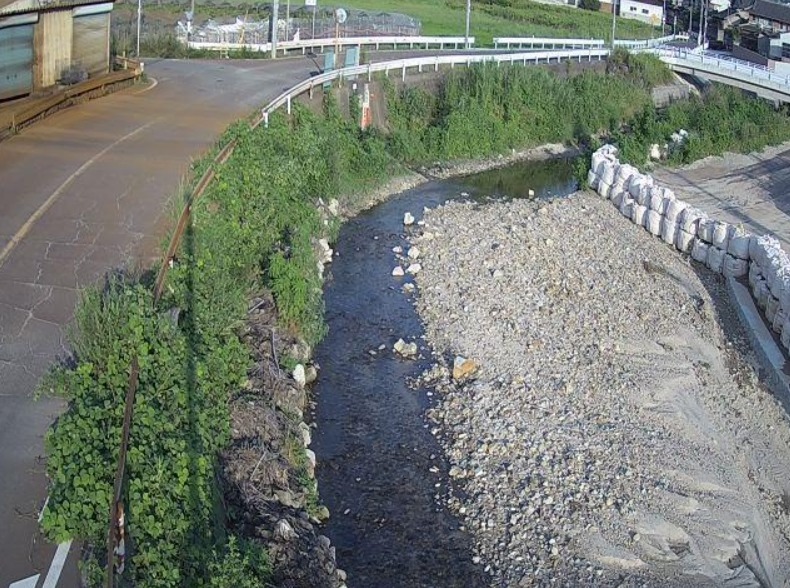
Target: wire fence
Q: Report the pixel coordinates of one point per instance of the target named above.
(303, 24)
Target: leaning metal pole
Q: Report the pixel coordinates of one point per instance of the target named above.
(614, 20)
(274, 28)
(468, 15)
(139, 20)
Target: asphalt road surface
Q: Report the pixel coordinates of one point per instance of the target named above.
(82, 192)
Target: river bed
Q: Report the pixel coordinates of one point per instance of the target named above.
(380, 470)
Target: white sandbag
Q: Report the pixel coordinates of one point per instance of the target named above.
(689, 220)
(761, 293)
(784, 300)
(739, 243)
(626, 206)
(674, 209)
(699, 251)
(639, 185)
(785, 338)
(684, 241)
(705, 229)
(771, 308)
(624, 174)
(779, 320)
(608, 171)
(604, 188)
(715, 260)
(754, 274)
(653, 222)
(734, 267)
(592, 179)
(762, 248)
(721, 235)
(669, 231)
(638, 214)
(657, 199)
(780, 282)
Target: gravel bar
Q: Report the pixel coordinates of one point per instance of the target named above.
(615, 432)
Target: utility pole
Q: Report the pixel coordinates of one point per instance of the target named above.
(614, 20)
(468, 16)
(691, 19)
(288, 20)
(139, 21)
(274, 33)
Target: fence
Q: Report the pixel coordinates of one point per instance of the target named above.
(322, 44)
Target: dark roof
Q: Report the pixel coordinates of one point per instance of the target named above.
(771, 11)
(651, 2)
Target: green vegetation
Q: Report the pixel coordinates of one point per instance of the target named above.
(508, 18)
(490, 18)
(723, 119)
(490, 110)
(254, 227)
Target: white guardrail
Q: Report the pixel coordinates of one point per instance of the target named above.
(552, 43)
(714, 63)
(322, 44)
(420, 63)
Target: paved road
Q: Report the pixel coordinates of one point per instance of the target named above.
(80, 193)
(752, 190)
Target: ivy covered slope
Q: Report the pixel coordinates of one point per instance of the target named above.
(254, 228)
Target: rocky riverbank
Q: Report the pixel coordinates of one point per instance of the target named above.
(614, 432)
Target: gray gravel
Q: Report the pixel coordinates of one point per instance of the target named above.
(615, 433)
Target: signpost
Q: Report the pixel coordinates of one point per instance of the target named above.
(314, 5)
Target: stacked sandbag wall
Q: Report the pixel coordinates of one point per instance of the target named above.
(723, 248)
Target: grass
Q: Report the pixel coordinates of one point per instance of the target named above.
(490, 18)
(508, 18)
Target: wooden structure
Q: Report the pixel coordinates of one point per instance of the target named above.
(45, 43)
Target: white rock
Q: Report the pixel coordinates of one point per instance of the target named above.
(398, 272)
(655, 152)
(414, 253)
(405, 349)
(299, 375)
(334, 207)
(414, 269)
(397, 249)
(284, 531)
(408, 219)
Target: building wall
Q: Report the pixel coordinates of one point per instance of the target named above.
(52, 41)
(645, 12)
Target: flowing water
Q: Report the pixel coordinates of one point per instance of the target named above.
(380, 470)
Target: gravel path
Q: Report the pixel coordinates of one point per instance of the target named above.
(615, 433)
(753, 189)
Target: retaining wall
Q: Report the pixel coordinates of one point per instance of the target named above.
(725, 249)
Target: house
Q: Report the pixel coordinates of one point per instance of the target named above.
(649, 11)
(46, 42)
(771, 17)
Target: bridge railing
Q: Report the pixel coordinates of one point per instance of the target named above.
(420, 64)
(546, 43)
(650, 43)
(718, 63)
(395, 42)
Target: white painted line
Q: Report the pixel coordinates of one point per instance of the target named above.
(153, 85)
(56, 567)
(43, 508)
(25, 229)
(26, 583)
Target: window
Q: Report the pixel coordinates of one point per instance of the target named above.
(632, 8)
(644, 11)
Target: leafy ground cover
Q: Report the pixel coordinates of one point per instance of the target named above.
(255, 227)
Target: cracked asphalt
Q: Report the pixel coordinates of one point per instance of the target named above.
(82, 193)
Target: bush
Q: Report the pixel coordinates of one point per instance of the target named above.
(594, 5)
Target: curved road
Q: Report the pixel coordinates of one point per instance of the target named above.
(80, 193)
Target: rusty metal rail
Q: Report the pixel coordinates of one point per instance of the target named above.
(75, 94)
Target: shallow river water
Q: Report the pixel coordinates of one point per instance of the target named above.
(380, 470)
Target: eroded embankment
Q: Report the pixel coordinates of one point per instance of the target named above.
(615, 432)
